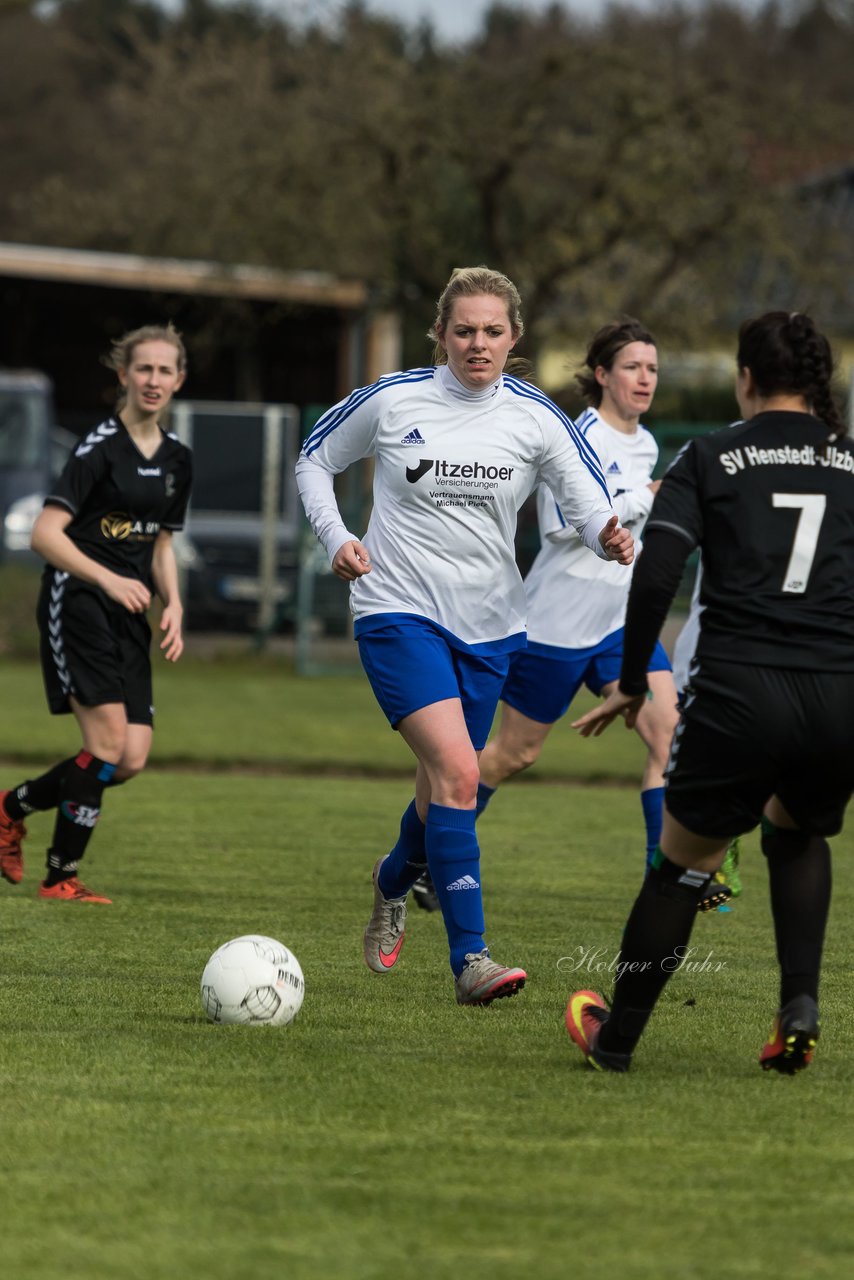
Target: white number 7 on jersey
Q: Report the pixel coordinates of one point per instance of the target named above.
(811, 507)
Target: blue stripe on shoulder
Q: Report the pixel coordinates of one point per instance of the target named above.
(334, 417)
(586, 452)
(586, 421)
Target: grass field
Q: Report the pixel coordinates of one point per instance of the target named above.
(388, 1133)
(254, 712)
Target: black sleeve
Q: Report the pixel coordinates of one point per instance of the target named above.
(80, 474)
(655, 582)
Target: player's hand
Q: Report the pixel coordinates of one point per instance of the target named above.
(351, 561)
(616, 704)
(171, 624)
(617, 542)
(132, 594)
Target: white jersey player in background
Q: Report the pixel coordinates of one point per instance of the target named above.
(437, 598)
(577, 605)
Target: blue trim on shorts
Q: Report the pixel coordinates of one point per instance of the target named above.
(543, 679)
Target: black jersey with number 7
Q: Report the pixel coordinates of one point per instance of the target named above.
(771, 505)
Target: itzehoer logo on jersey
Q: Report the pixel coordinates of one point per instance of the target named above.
(444, 470)
(120, 527)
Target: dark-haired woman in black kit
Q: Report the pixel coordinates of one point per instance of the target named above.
(767, 730)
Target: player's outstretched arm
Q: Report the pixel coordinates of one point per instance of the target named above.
(616, 704)
(617, 543)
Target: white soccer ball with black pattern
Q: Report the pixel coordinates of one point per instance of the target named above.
(253, 980)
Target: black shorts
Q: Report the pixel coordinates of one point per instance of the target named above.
(93, 649)
(747, 733)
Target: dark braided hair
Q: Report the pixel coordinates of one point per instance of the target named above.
(605, 346)
(786, 354)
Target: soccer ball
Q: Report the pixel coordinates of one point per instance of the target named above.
(253, 980)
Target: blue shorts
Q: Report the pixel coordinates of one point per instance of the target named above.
(411, 664)
(543, 680)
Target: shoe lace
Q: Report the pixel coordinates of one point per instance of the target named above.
(395, 915)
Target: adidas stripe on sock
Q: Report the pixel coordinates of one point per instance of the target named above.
(453, 856)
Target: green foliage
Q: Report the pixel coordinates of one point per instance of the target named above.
(389, 1134)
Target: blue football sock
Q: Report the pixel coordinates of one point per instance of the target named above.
(652, 801)
(484, 795)
(407, 860)
(454, 860)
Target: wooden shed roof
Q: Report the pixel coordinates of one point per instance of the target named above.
(178, 275)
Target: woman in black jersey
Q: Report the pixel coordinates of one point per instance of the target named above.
(766, 734)
(106, 535)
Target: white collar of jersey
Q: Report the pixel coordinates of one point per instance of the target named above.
(455, 388)
(591, 415)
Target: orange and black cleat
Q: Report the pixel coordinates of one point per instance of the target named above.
(71, 890)
(586, 1014)
(11, 835)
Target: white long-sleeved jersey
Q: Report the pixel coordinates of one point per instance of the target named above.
(452, 468)
(575, 601)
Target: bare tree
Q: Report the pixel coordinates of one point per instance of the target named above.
(644, 163)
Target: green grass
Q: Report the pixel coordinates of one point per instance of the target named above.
(255, 711)
(19, 589)
(389, 1133)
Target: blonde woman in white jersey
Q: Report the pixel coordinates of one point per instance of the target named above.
(576, 605)
(437, 598)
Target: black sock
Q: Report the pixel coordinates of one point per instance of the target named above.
(79, 808)
(658, 928)
(799, 876)
(37, 793)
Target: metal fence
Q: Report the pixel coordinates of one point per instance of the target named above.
(239, 556)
